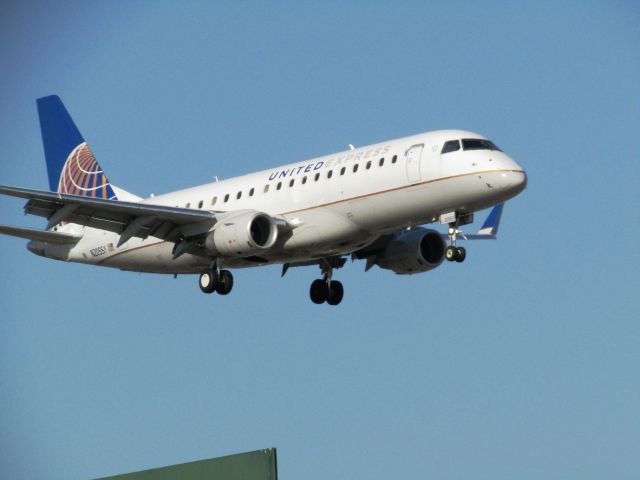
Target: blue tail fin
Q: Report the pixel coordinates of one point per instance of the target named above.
(71, 166)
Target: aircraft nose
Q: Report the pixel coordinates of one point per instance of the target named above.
(513, 178)
(513, 182)
(519, 180)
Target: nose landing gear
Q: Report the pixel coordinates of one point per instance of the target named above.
(454, 253)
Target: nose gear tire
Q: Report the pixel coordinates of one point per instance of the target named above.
(450, 253)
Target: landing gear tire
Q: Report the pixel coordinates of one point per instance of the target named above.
(319, 291)
(208, 282)
(225, 282)
(325, 289)
(451, 253)
(461, 254)
(336, 292)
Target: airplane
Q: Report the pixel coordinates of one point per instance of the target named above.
(369, 203)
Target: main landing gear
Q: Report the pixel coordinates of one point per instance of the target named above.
(215, 280)
(325, 289)
(454, 253)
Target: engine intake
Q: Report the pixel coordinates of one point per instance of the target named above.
(242, 234)
(416, 251)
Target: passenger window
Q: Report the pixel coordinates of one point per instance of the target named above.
(279, 186)
(394, 159)
(200, 203)
(266, 188)
(342, 170)
(451, 146)
(381, 162)
(329, 173)
(251, 192)
(316, 177)
(304, 179)
(188, 205)
(226, 198)
(355, 168)
(214, 200)
(368, 164)
(238, 195)
(292, 182)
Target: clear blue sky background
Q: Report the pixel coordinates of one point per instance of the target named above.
(520, 363)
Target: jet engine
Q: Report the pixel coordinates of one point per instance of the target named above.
(242, 234)
(415, 251)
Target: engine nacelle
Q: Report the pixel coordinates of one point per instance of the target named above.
(416, 251)
(242, 234)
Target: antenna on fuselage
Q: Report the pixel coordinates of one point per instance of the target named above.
(351, 147)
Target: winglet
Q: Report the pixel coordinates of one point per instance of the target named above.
(492, 223)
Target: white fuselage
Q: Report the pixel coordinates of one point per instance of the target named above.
(331, 209)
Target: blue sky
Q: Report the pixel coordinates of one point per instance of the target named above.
(522, 362)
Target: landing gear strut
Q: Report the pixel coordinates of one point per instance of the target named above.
(215, 280)
(454, 253)
(325, 289)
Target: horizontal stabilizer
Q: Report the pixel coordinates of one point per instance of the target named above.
(41, 235)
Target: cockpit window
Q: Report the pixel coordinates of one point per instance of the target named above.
(451, 146)
(478, 144)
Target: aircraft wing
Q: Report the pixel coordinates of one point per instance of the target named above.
(489, 229)
(129, 219)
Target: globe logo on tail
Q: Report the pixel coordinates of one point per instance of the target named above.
(82, 175)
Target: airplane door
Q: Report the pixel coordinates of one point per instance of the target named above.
(430, 164)
(413, 156)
